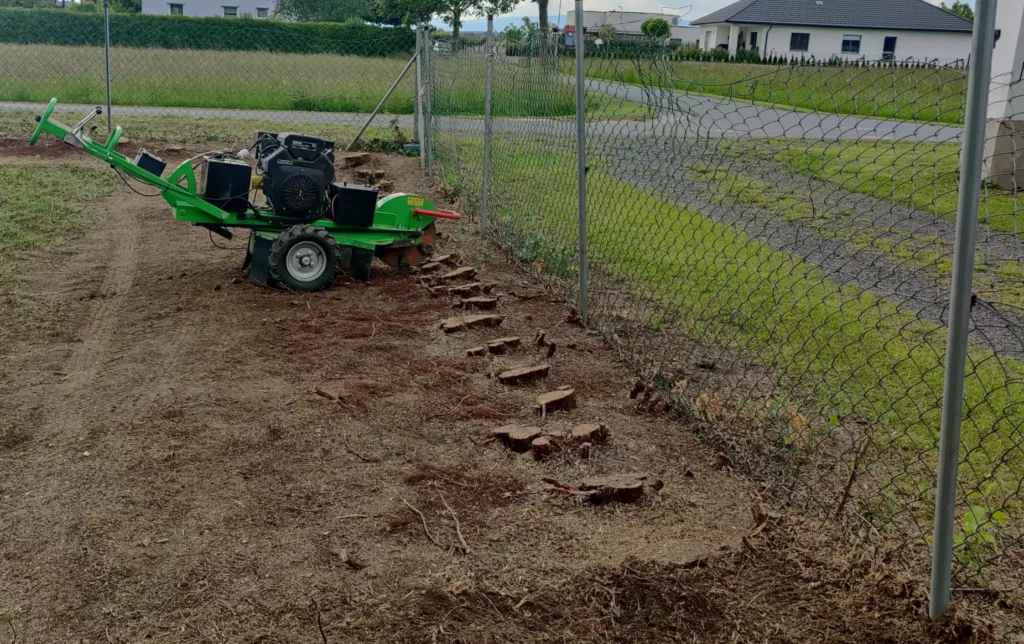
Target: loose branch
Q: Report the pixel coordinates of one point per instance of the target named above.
(458, 526)
(319, 620)
(426, 530)
(365, 459)
(853, 475)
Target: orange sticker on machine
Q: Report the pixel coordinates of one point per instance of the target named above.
(415, 201)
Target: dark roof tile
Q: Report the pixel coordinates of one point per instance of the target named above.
(911, 15)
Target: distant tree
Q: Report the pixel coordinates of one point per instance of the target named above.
(656, 28)
(453, 11)
(323, 10)
(961, 9)
(401, 12)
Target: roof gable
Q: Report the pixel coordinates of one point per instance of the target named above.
(908, 15)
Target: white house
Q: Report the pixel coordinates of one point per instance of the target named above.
(849, 29)
(627, 23)
(211, 8)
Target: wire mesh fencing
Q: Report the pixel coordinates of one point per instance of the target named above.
(770, 246)
(208, 80)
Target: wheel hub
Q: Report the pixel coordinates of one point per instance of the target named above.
(306, 261)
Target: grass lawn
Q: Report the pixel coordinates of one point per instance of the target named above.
(213, 133)
(915, 94)
(40, 204)
(270, 81)
(1003, 284)
(841, 352)
(918, 175)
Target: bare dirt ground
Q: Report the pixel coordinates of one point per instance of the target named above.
(169, 473)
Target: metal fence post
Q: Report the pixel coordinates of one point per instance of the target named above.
(106, 54)
(581, 162)
(487, 122)
(428, 124)
(971, 157)
(418, 112)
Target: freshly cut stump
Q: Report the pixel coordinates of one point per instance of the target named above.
(366, 174)
(516, 437)
(480, 302)
(589, 433)
(464, 273)
(585, 449)
(354, 160)
(625, 488)
(558, 400)
(473, 288)
(523, 374)
(449, 259)
(430, 267)
(503, 345)
(476, 351)
(542, 446)
(451, 325)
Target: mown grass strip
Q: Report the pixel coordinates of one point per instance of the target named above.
(919, 94)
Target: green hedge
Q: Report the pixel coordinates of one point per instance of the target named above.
(61, 27)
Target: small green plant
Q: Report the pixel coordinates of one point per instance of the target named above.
(978, 526)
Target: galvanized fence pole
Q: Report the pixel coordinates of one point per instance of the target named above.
(487, 122)
(971, 157)
(418, 111)
(581, 162)
(106, 54)
(428, 123)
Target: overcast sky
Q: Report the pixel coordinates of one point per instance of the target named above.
(689, 9)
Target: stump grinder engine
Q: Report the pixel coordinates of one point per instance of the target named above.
(309, 227)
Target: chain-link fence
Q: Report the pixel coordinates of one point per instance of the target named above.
(771, 247)
(185, 80)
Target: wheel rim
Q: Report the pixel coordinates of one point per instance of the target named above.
(306, 261)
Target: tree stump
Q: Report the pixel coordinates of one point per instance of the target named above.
(452, 325)
(542, 446)
(449, 259)
(523, 374)
(430, 267)
(476, 351)
(516, 437)
(464, 273)
(503, 345)
(585, 450)
(625, 488)
(589, 433)
(473, 288)
(354, 160)
(558, 400)
(480, 302)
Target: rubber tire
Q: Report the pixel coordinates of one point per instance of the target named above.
(279, 251)
(359, 267)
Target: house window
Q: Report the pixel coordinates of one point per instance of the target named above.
(753, 40)
(230, 12)
(799, 42)
(889, 48)
(261, 12)
(177, 9)
(851, 44)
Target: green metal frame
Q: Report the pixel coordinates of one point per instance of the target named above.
(399, 220)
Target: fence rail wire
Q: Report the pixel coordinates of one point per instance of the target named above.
(773, 252)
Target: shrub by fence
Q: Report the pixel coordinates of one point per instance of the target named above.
(57, 27)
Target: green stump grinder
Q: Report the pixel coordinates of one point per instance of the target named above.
(308, 228)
